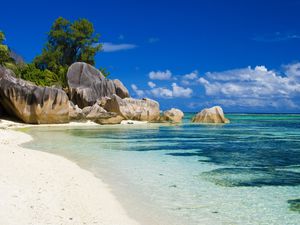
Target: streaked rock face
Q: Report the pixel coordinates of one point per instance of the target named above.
(133, 109)
(87, 85)
(121, 90)
(31, 103)
(173, 115)
(211, 115)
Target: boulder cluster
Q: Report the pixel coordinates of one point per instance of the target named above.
(91, 96)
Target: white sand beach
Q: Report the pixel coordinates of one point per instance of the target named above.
(39, 188)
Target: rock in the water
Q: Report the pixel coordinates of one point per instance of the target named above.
(121, 90)
(173, 115)
(31, 103)
(211, 115)
(133, 109)
(87, 85)
(75, 113)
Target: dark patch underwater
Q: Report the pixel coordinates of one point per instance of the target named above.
(252, 177)
(294, 205)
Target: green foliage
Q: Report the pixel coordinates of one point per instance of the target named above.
(4, 51)
(68, 43)
(104, 72)
(45, 77)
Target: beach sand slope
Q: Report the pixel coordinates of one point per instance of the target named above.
(39, 188)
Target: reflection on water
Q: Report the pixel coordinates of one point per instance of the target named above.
(196, 172)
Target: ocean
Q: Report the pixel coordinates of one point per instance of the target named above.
(245, 172)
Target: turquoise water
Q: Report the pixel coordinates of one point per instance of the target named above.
(245, 172)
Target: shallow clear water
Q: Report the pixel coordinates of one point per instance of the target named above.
(246, 172)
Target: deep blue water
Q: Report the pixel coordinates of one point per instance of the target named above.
(245, 172)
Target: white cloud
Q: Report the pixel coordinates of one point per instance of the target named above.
(191, 76)
(137, 91)
(111, 47)
(151, 84)
(175, 92)
(181, 91)
(188, 79)
(162, 92)
(160, 75)
(293, 71)
(254, 87)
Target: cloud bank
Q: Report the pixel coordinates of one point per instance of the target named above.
(245, 89)
(254, 87)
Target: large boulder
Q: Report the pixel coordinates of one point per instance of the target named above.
(172, 115)
(133, 109)
(210, 115)
(87, 85)
(31, 103)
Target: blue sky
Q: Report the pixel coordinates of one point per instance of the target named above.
(242, 55)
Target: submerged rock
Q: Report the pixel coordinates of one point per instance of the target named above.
(31, 103)
(294, 205)
(251, 177)
(210, 115)
(87, 85)
(133, 109)
(172, 115)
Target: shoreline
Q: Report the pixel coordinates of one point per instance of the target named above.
(43, 188)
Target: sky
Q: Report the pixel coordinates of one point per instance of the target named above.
(189, 54)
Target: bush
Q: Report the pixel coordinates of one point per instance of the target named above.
(39, 77)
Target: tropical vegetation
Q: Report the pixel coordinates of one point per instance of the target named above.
(67, 42)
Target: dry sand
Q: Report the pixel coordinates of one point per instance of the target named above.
(39, 188)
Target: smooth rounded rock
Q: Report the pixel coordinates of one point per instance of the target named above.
(172, 115)
(87, 85)
(210, 115)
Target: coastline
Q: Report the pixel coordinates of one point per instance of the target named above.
(42, 188)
